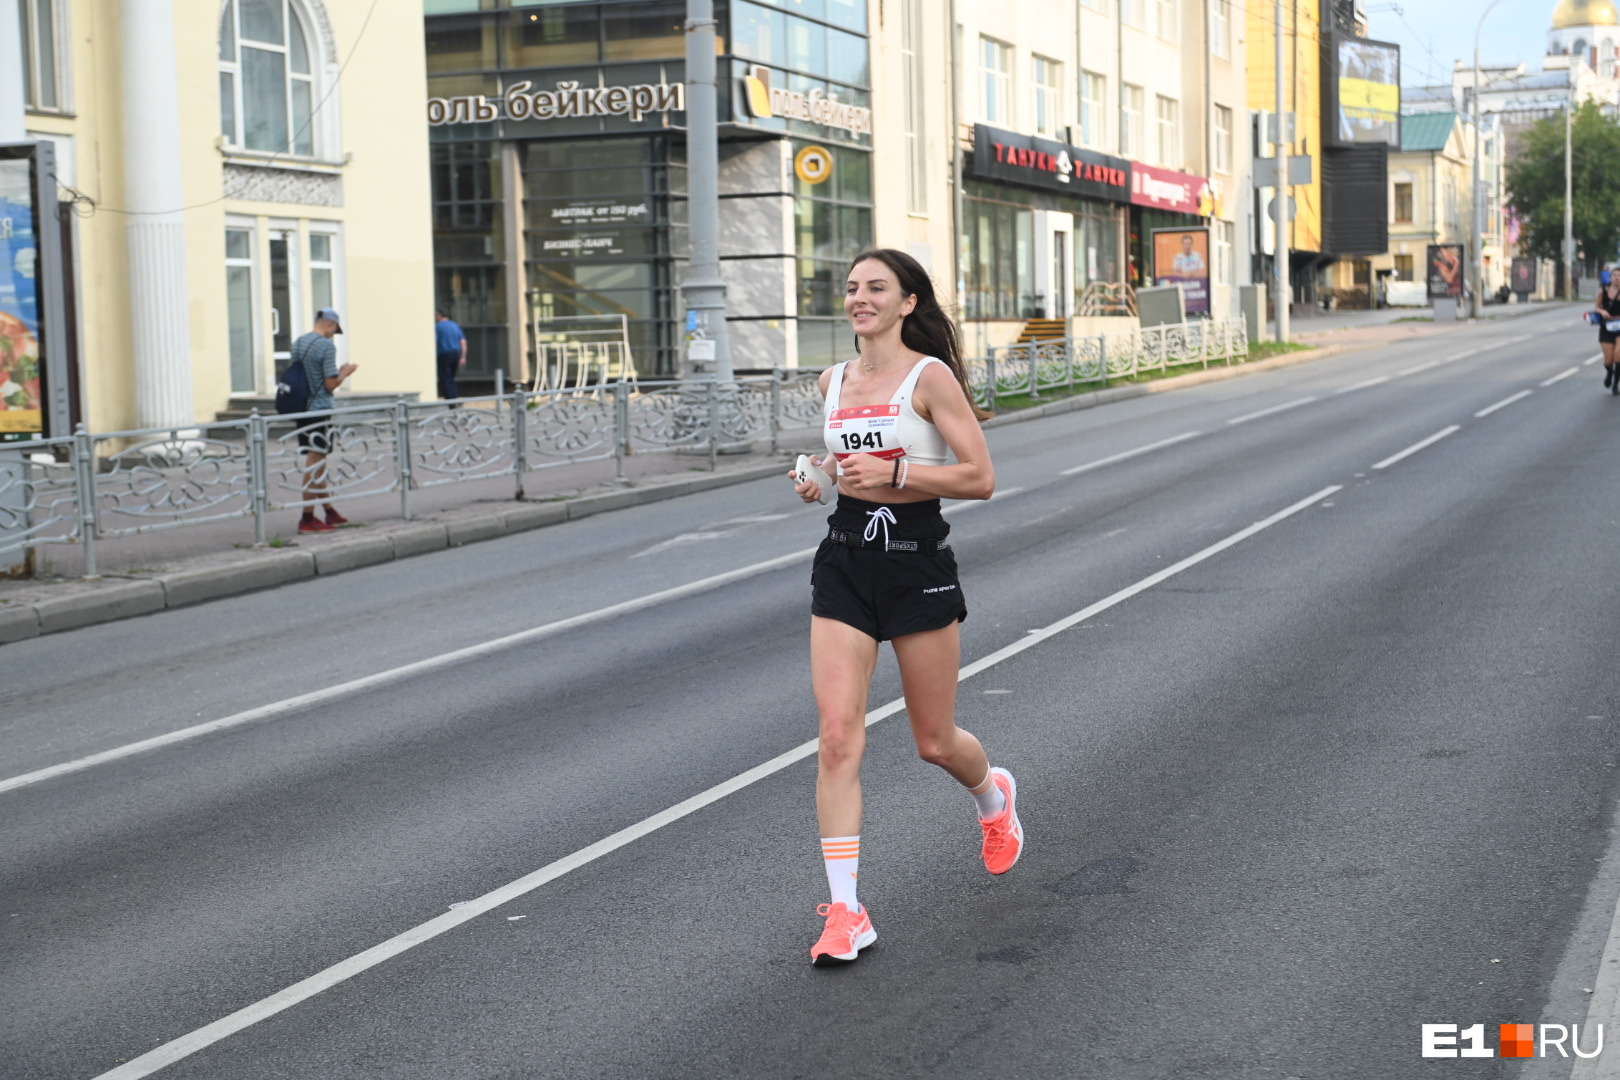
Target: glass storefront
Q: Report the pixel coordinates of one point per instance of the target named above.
(998, 252)
(604, 212)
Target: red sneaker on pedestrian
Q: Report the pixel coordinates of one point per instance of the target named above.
(847, 933)
(1003, 834)
(313, 524)
(333, 518)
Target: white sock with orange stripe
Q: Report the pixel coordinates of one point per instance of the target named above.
(991, 799)
(842, 854)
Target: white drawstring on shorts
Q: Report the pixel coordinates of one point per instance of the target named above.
(881, 516)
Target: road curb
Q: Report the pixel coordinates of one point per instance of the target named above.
(109, 600)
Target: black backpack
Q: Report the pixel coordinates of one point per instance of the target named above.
(292, 391)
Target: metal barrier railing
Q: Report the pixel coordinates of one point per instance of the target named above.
(99, 486)
(1064, 363)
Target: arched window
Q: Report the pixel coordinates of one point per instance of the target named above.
(1606, 53)
(266, 78)
(1579, 48)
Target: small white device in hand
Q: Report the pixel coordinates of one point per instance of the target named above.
(805, 470)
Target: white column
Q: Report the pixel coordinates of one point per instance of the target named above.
(154, 193)
(13, 125)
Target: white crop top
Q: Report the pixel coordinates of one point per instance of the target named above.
(885, 431)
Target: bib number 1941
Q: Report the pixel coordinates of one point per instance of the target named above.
(862, 440)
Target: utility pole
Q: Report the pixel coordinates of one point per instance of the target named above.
(708, 345)
(1569, 200)
(1280, 201)
(1477, 202)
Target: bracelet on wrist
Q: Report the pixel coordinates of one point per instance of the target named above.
(905, 472)
(894, 481)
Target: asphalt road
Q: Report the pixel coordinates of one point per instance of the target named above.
(1351, 772)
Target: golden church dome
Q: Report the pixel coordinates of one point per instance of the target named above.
(1571, 13)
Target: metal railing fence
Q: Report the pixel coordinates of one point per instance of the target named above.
(1034, 367)
(96, 486)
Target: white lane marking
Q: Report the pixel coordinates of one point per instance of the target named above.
(1128, 454)
(170, 1052)
(1504, 403)
(1593, 360)
(1462, 355)
(681, 540)
(405, 671)
(1284, 407)
(1001, 493)
(1363, 384)
(1562, 375)
(1423, 367)
(1415, 447)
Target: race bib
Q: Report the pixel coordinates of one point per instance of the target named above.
(1612, 326)
(868, 429)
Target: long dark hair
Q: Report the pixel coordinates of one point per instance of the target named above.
(927, 329)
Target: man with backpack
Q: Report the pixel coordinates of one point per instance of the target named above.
(314, 356)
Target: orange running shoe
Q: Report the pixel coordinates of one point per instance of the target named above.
(846, 935)
(1003, 835)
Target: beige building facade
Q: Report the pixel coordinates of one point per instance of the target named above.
(276, 164)
(1429, 181)
(1026, 152)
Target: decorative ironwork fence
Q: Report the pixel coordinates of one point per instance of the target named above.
(99, 486)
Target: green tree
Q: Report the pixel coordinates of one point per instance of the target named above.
(1535, 185)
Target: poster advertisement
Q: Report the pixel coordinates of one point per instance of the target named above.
(1446, 262)
(1181, 257)
(1368, 92)
(21, 387)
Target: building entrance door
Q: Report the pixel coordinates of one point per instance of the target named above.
(1054, 265)
(283, 315)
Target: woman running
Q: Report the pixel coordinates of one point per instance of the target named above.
(885, 573)
(1608, 309)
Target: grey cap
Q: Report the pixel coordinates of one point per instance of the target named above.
(331, 313)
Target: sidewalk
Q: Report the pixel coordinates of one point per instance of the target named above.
(153, 571)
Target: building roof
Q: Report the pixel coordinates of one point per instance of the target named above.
(1427, 131)
(1572, 13)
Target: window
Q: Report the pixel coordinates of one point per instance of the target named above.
(911, 23)
(1403, 267)
(239, 307)
(1220, 29)
(1165, 18)
(1403, 203)
(1223, 139)
(1097, 5)
(266, 82)
(1169, 136)
(996, 61)
(1047, 77)
(1130, 122)
(1130, 12)
(1225, 267)
(998, 252)
(1092, 129)
(42, 53)
(322, 270)
(1607, 60)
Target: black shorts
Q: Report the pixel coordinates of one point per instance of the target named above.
(315, 433)
(884, 593)
(1605, 337)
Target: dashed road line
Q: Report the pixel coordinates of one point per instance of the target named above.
(1284, 407)
(1504, 403)
(1364, 384)
(1562, 375)
(1128, 454)
(1415, 447)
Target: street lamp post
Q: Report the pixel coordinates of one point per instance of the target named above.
(1477, 202)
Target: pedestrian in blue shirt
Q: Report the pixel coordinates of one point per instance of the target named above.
(452, 349)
